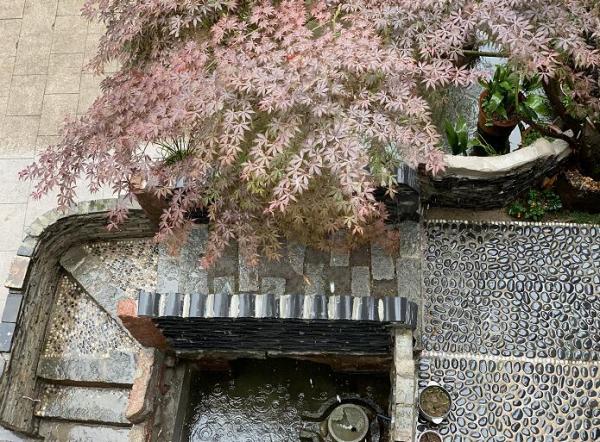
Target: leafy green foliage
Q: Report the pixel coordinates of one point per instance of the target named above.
(510, 94)
(535, 205)
(460, 143)
(458, 136)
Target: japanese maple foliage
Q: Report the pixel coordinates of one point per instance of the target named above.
(290, 112)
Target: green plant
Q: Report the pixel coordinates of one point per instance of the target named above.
(510, 94)
(529, 135)
(458, 136)
(460, 143)
(176, 150)
(535, 205)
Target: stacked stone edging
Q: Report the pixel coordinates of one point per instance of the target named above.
(492, 182)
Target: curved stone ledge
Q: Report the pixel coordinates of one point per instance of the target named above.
(33, 281)
(491, 182)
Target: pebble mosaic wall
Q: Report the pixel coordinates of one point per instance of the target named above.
(516, 400)
(130, 263)
(511, 327)
(513, 290)
(80, 327)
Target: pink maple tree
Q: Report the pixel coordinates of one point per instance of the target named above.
(281, 118)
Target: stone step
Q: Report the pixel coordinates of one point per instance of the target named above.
(84, 404)
(66, 431)
(92, 274)
(115, 368)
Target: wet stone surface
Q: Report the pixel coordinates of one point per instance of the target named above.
(512, 290)
(508, 400)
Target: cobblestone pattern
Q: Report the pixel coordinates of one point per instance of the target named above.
(502, 399)
(368, 271)
(511, 329)
(131, 264)
(80, 327)
(513, 290)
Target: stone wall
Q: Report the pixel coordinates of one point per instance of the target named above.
(34, 276)
(492, 182)
(108, 266)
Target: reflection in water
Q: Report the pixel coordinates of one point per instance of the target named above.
(263, 400)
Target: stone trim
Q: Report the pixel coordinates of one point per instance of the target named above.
(491, 182)
(507, 223)
(404, 388)
(391, 309)
(500, 166)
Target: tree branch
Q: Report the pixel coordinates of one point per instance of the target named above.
(485, 53)
(552, 131)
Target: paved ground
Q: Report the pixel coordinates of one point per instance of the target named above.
(44, 47)
(511, 328)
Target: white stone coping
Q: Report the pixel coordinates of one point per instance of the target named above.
(502, 165)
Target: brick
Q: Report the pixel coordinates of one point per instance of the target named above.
(106, 405)
(69, 36)
(12, 307)
(403, 424)
(14, 190)
(17, 272)
(11, 9)
(19, 136)
(7, 330)
(9, 36)
(64, 83)
(224, 284)
(142, 329)
(140, 403)
(410, 239)
(12, 217)
(7, 65)
(273, 285)
(112, 368)
(65, 63)
(408, 271)
(339, 259)
(295, 254)
(69, 7)
(315, 284)
(56, 430)
(404, 390)
(248, 276)
(33, 54)
(38, 17)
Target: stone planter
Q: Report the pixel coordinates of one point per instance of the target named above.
(430, 436)
(492, 182)
(434, 403)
